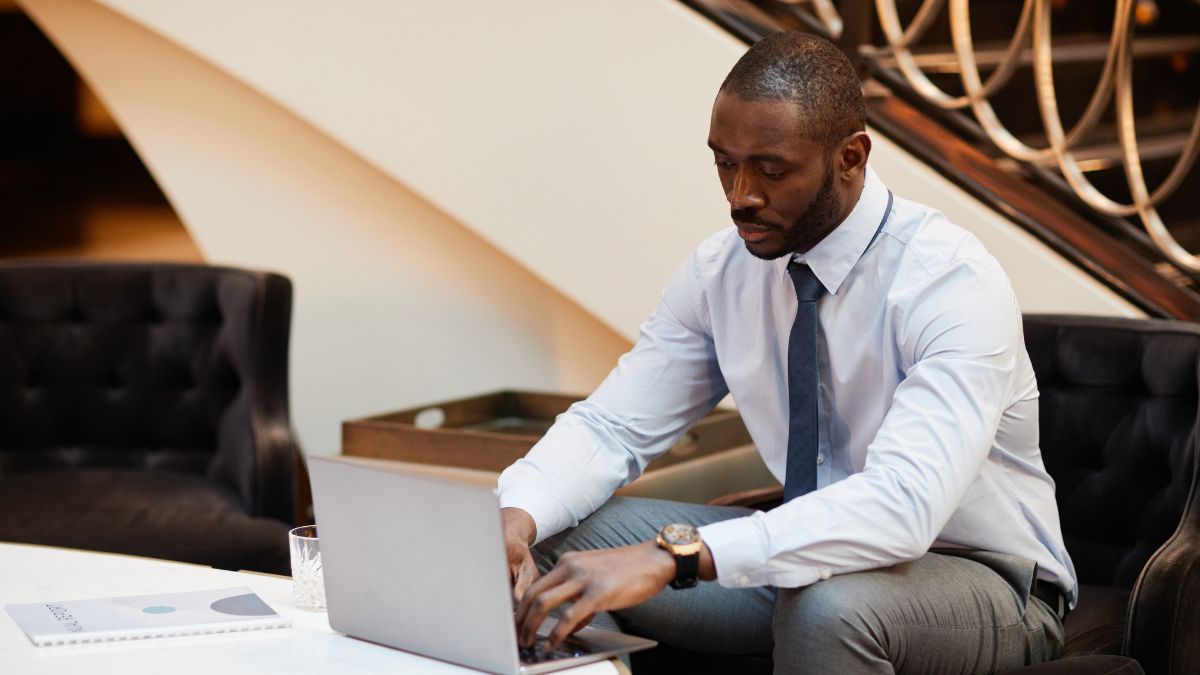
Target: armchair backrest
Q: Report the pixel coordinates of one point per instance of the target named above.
(1120, 399)
(148, 366)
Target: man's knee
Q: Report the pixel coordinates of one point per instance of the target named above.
(825, 605)
(830, 624)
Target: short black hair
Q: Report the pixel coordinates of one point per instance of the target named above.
(808, 71)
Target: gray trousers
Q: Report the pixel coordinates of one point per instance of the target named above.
(938, 614)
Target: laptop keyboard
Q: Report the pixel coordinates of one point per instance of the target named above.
(539, 651)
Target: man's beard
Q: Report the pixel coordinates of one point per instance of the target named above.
(809, 228)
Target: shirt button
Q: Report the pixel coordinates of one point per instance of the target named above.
(743, 580)
(825, 574)
(820, 458)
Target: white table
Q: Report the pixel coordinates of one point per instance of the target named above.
(41, 574)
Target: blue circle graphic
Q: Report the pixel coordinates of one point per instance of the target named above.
(159, 609)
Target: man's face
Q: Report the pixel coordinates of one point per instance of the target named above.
(779, 181)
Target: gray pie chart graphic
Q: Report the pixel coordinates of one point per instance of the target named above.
(242, 605)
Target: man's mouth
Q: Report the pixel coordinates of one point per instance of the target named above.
(753, 233)
(752, 227)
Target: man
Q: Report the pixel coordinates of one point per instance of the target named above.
(875, 353)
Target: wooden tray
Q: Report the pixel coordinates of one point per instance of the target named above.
(493, 430)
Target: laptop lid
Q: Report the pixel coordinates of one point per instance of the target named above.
(417, 562)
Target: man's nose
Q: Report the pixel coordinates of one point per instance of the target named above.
(743, 192)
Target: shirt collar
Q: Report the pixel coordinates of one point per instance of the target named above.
(834, 256)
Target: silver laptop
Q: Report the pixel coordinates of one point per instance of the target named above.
(418, 563)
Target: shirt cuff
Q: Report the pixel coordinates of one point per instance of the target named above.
(549, 515)
(739, 551)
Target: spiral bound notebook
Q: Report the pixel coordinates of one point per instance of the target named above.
(137, 617)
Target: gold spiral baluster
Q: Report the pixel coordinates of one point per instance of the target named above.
(1115, 81)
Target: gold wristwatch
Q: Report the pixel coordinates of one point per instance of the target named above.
(683, 542)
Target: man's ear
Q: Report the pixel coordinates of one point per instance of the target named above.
(854, 151)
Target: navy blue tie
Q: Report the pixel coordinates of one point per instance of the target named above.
(802, 385)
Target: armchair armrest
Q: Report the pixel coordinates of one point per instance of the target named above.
(1164, 609)
(757, 498)
(276, 450)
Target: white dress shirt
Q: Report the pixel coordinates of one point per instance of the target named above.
(928, 411)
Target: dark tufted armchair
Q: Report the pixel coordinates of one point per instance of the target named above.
(144, 410)
(1120, 405)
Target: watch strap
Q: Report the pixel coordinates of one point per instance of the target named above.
(687, 571)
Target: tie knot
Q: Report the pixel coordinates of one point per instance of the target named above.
(808, 286)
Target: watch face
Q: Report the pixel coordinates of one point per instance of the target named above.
(678, 534)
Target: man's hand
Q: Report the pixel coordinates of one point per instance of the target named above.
(593, 581)
(519, 534)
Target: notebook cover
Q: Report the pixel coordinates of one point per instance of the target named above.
(145, 616)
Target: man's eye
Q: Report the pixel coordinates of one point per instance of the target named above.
(724, 164)
(773, 175)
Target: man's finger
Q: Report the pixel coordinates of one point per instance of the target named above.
(539, 604)
(551, 578)
(572, 619)
(526, 574)
(587, 621)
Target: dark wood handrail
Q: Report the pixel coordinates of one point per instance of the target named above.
(1103, 256)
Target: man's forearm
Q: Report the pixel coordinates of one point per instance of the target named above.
(518, 523)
